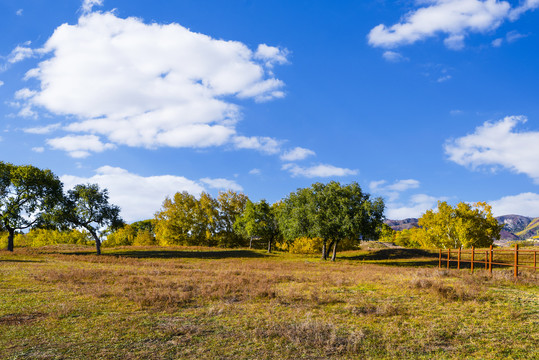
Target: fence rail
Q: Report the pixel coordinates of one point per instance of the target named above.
(516, 258)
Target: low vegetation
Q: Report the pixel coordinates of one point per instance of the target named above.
(196, 302)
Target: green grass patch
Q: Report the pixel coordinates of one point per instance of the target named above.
(63, 302)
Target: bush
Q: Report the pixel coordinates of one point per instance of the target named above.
(43, 237)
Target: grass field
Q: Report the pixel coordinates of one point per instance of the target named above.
(200, 303)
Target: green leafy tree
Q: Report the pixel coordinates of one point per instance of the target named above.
(28, 196)
(464, 225)
(259, 220)
(87, 206)
(331, 212)
(230, 206)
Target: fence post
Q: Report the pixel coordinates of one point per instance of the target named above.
(448, 256)
(516, 261)
(486, 260)
(490, 261)
(471, 263)
(440, 259)
(535, 260)
(458, 261)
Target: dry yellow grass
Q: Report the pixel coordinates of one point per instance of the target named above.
(63, 302)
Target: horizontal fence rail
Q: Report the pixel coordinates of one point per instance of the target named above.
(515, 258)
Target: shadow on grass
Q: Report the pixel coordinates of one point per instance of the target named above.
(20, 261)
(178, 254)
(395, 257)
(175, 254)
(394, 254)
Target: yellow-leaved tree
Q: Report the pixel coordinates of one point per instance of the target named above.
(464, 225)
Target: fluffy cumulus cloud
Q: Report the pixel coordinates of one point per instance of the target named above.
(20, 53)
(140, 197)
(455, 19)
(526, 204)
(414, 208)
(87, 5)
(322, 171)
(393, 191)
(498, 144)
(222, 184)
(261, 143)
(151, 85)
(79, 146)
(296, 154)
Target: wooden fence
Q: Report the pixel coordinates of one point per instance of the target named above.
(515, 258)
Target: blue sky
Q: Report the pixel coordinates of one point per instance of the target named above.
(417, 101)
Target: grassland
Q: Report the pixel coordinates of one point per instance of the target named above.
(198, 303)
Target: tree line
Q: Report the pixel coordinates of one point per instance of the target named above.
(329, 214)
(322, 217)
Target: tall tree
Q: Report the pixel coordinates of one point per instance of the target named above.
(174, 223)
(258, 219)
(87, 206)
(332, 212)
(27, 197)
(231, 206)
(464, 225)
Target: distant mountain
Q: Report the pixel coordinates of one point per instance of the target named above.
(399, 225)
(516, 227)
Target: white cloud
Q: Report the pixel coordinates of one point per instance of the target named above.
(255, 172)
(38, 149)
(19, 12)
(139, 197)
(152, 85)
(271, 55)
(24, 94)
(87, 5)
(526, 5)
(392, 192)
(322, 170)
(454, 42)
(526, 204)
(497, 42)
(444, 78)
(453, 18)
(79, 146)
(19, 54)
(393, 56)
(42, 129)
(1, 83)
(222, 184)
(416, 206)
(296, 154)
(263, 144)
(513, 36)
(497, 144)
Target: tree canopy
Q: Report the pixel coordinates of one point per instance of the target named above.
(28, 196)
(332, 212)
(186, 220)
(87, 206)
(258, 219)
(464, 225)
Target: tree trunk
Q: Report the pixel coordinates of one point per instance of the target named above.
(328, 249)
(324, 254)
(269, 245)
(251, 242)
(10, 237)
(97, 242)
(334, 251)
